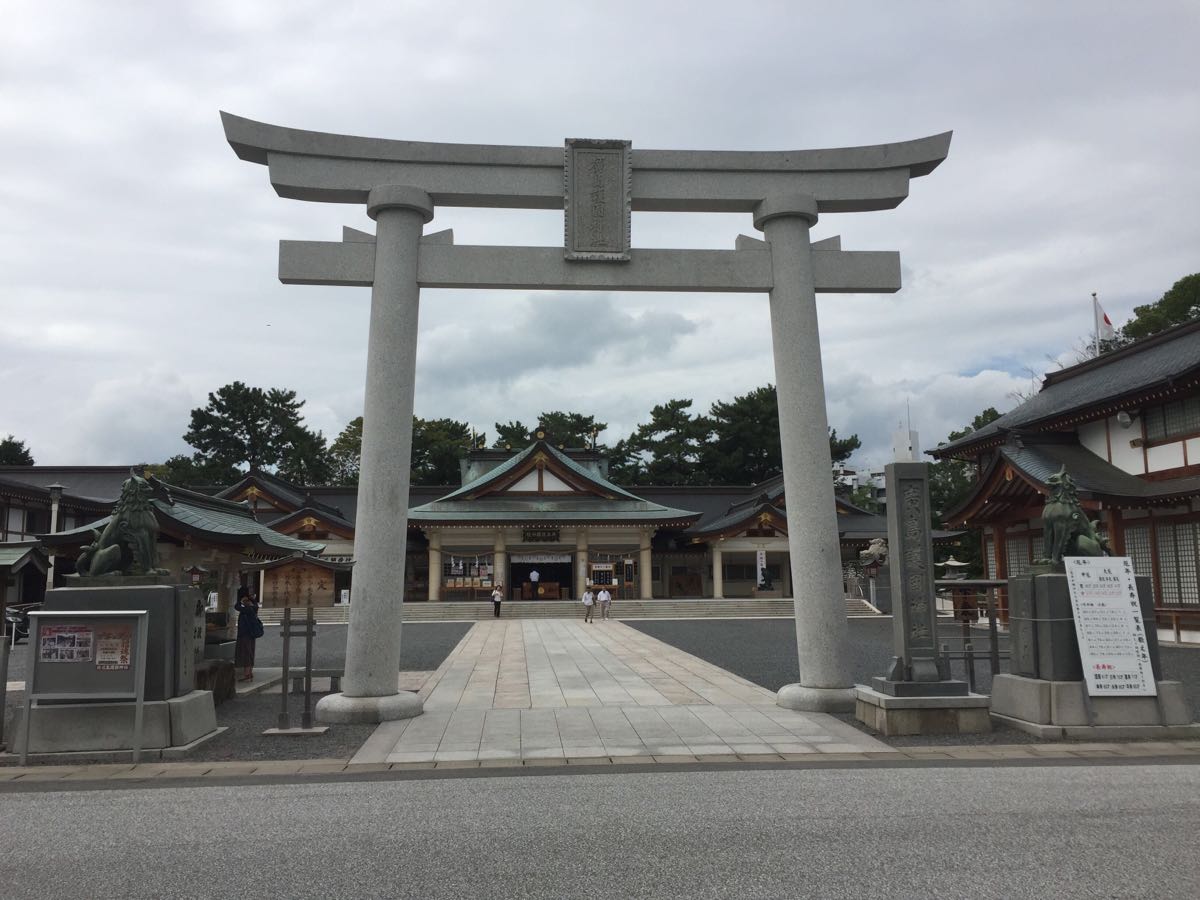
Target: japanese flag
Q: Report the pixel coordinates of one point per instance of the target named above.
(1104, 325)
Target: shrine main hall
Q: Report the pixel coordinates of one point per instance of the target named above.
(542, 509)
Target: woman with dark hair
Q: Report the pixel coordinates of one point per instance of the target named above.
(249, 629)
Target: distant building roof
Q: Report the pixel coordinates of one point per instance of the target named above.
(498, 496)
(1167, 362)
(182, 513)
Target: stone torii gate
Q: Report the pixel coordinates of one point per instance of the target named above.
(598, 184)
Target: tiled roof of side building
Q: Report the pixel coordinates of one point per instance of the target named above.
(1166, 359)
(208, 518)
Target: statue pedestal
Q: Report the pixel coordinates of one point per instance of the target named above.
(892, 714)
(1046, 695)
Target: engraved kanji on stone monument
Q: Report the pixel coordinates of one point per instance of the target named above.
(911, 549)
(598, 182)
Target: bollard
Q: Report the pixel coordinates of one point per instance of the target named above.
(285, 721)
(969, 659)
(309, 630)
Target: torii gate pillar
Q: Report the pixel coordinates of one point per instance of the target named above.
(598, 184)
(821, 629)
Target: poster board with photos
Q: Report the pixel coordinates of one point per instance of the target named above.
(87, 654)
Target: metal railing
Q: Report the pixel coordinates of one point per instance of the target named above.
(974, 633)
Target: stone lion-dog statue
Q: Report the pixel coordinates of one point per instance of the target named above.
(875, 554)
(128, 543)
(1066, 530)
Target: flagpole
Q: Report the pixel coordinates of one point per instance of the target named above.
(1096, 321)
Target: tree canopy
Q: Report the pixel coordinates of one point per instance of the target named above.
(736, 442)
(1178, 305)
(568, 429)
(950, 480)
(259, 429)
(14, 453)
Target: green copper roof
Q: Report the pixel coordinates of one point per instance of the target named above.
(209, 519)
(616, 506)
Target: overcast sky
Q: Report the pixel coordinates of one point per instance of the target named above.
(138, 254)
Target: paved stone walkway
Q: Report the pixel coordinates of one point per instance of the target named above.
(562, 689)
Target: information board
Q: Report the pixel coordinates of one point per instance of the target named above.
(1109, 627)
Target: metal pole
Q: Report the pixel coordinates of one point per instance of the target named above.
(993, 632)
(306, 717)
(285, 722)
(3, 681)
(143, 623)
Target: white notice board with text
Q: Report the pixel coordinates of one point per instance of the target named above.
(1109, 627)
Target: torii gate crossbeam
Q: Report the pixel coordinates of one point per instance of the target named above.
(598, 184)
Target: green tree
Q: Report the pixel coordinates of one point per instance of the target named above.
(665, 450)
(437, 447)
(247, 426)
(950, 480)
(841, 449)
(1178, 305)
(14, 453)
(744, 445)
(569, 429)
(515, 434)
(182, 470)
(345, 453)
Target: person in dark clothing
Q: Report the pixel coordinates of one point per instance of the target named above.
(249, 629)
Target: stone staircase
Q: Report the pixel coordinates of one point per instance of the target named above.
(467, 611)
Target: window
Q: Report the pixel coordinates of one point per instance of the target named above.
(1017, 552)
(1172, 419)
(1177, 563)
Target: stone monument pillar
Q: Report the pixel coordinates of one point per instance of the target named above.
(581, 562)
(917, 695)
(718, 573)
(499, 562)
(370, 687)
(435, 566)
(644, 568)
(821, 629)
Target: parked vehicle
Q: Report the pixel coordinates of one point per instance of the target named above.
(16, 621)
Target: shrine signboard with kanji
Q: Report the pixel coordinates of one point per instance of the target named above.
(1109, 627)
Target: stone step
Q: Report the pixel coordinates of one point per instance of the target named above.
(560, 609)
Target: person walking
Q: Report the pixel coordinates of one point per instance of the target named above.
(497, 597)
(249, 629)
(589, 605)
(604, 598)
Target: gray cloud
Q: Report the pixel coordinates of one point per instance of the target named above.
(137, 254)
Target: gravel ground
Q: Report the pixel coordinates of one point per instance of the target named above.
(425, 646)
(764, 651)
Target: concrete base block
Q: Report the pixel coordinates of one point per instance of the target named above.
(192, 716)
(810, 699)
(922, 715)
(1103, 732)
(1064, 704)
(88, 727)
(296, 732)
(338, 708)
(89, 757)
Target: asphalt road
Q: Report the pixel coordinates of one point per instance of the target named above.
(764, 651)
(1046, 831)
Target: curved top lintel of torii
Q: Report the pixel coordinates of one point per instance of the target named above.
(315, 165)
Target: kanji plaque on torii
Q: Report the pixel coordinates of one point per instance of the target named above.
(403, 182)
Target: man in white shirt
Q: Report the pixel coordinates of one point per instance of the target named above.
(589, 601)
(604, 598)
(534, 577)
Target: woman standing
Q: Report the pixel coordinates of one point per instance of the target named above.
(249, 629)
(497, 597)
